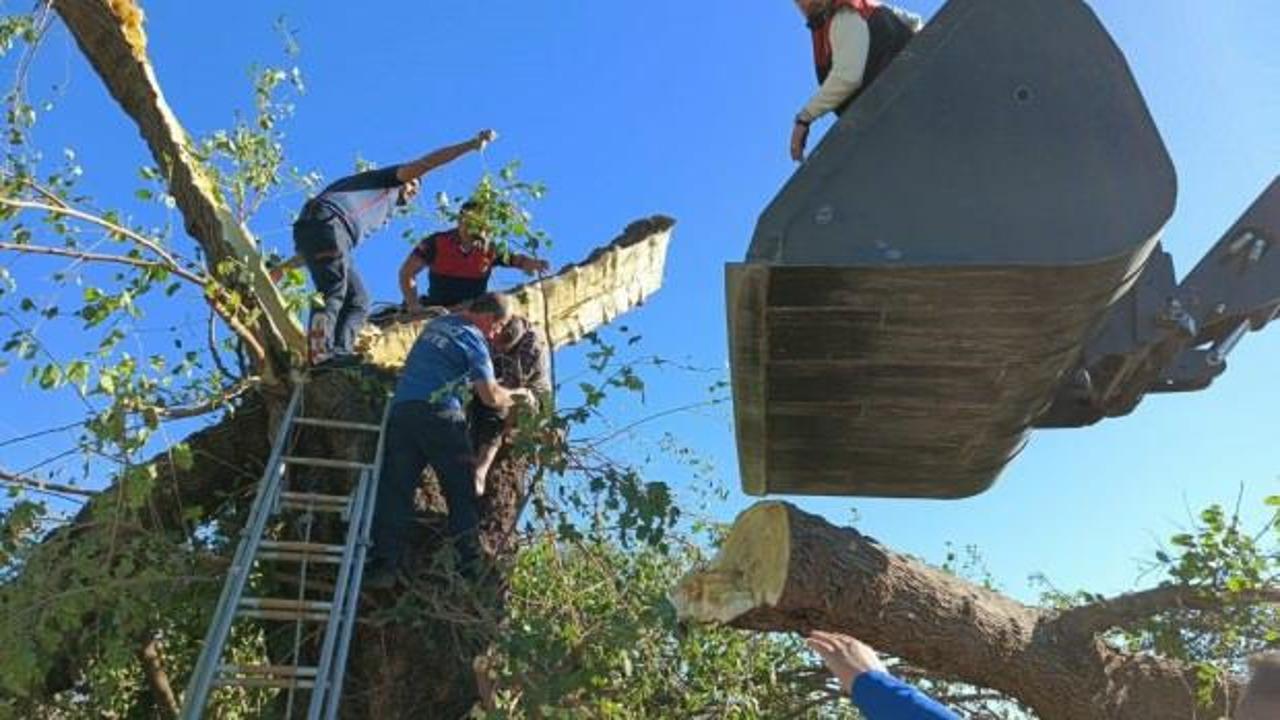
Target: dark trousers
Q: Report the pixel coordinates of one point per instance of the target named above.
(326, 248)
(417, 437)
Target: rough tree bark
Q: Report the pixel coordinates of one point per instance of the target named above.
(229, 455)
(784, 570)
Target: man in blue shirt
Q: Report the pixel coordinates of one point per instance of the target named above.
(331, 225)
(878, 695)
(428, 427)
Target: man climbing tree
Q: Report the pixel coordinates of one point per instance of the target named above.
(428, 427)
(334, 222)
(853, 42)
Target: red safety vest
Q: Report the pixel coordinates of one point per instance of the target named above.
(452, 261)
(820, 26)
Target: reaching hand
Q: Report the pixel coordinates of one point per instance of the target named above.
(799, 138)
(276, 273)
(845, 657)
(484, 137)
(533, 266)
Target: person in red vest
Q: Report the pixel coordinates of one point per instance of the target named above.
(461, 260)
(853, 42)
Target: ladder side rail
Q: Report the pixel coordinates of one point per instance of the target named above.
(364, 520)
(202, 677)
(334, 626)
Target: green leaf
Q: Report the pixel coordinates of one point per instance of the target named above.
(78, 373)
(50, 377)
(182, 457)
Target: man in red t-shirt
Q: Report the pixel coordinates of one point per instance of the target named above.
(461, 261)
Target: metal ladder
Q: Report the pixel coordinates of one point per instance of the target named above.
(322, 680)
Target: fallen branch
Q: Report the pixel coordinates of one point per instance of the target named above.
(784, 570)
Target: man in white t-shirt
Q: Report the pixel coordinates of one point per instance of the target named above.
(853, 42)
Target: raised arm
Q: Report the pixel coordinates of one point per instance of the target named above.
(443, 156)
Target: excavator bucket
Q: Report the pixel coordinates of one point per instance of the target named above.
(916, 293)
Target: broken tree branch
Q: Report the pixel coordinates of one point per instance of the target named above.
(784, 570)
(112, 38)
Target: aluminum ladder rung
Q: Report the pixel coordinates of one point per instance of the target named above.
(279, 676)
(327, 463)
(254, 682)
(284, 615)
(284, 604)
(288, 551)
(315, 501)
(337, 612)
(285, 609)
(338, 424)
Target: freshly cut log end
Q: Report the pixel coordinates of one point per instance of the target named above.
(749, 572)
(131, 20)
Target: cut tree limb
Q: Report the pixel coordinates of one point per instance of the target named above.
(110, 34)
(785, 570)
(580, 298)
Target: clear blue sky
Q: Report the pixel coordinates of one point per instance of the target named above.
(684, 108)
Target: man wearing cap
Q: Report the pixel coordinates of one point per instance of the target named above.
(853, 42)
(461, 260)
(333, 223)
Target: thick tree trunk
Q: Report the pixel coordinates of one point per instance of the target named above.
(397, 673)
(785, 570)
(228, 458)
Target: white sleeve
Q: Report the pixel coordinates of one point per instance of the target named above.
(850, 45)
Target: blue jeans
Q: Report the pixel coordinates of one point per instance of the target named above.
(417, 437)
(326, 248)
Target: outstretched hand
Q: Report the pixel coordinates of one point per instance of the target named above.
(484, 137)
(845, 657)
(533, 266)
